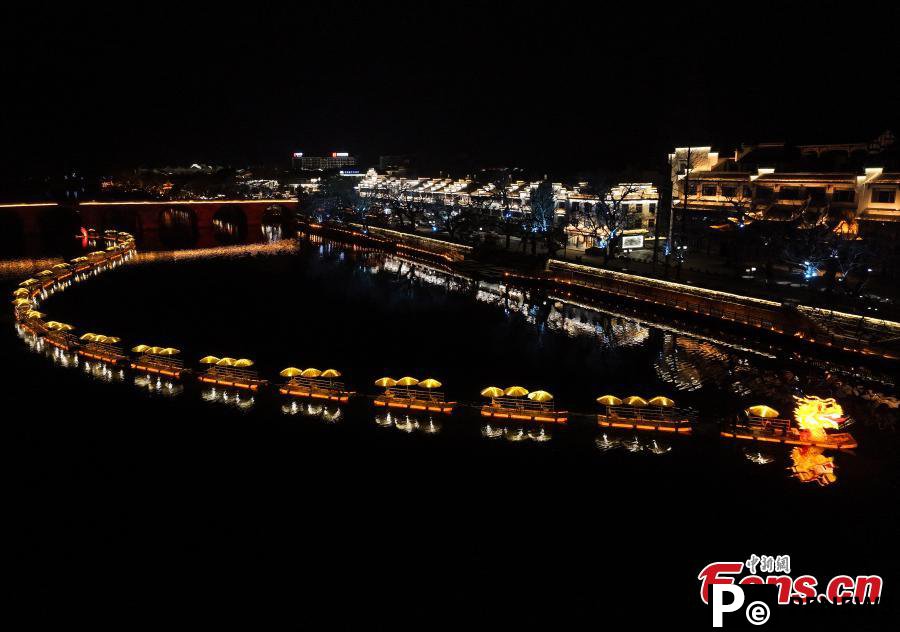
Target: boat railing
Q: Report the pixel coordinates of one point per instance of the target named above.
(422, 394)
(104, 349)
(231, 372)
(768, 425)
(520, 403)
(160, 361)
(315, 384)
(655, 413)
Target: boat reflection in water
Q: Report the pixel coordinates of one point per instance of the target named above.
(229, 397)
(810, 465)
(609, 441)
(103, 371)
(516, 432)
(329, 413)
(407, 423)
(758, 456)
(157, 386)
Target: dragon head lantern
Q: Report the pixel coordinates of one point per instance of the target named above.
(814, 415)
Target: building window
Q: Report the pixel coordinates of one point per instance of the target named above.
(844, 195)
(692, 188)
(816, 194)
(652, 208)
(883, 196)
(765, 193)
(709, 190)
(729, 192)
(789, 193)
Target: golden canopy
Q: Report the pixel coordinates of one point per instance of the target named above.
(761, 410)
(663, 402)
(516, 391)
(609, 400)
(331, 373)
(311, 372)
(205, 359)
(540, 396)
(243, 363)
(385, 382)
(407, 381)
(430, 382)
(634, 400)
(492, 391)
(291, 371)
(143, 348)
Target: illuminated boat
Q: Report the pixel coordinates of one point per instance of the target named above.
(100, 347)
(516, 403)
(312, 383)
(635, 413)
(814, 417)
(57, 334)
(231, 373)
(412, 394)
(157, 361)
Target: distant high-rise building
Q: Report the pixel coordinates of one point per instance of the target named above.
(337, 160)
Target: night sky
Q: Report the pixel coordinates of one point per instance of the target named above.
(556, 89)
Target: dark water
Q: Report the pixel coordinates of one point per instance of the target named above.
(139, 479)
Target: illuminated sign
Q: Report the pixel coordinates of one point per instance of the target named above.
(298, 154)
(339, 154)
(632, 241)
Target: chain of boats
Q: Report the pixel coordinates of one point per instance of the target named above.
(814, 424)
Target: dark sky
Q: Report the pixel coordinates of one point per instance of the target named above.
(557, 87)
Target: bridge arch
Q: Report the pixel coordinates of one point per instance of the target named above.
(58, 227)
(178, 227)
(12, 234)
(230, 224)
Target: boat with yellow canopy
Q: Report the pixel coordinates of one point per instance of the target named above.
(311, 383)
(413, 394)
(814, 423)
(636, 413)
(517, 403)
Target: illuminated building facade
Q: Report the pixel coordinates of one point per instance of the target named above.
(336, 160)
(775, 182)
(639, 200)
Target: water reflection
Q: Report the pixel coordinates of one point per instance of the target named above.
(158, 386)
(407, 423)
(229, 397)
(634, 443)
(516, 433)
(758, 457)
(329, 413)
(103, 371)
(810, 465)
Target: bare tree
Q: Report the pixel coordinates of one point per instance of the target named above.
(542, 218)
(608, 217)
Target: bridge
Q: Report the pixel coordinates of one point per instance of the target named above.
(30, 227)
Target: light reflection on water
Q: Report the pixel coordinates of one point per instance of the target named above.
(516, 433)
(157, 386)
(408, 423)
(635, 443)
(329, 413)
(229, 397)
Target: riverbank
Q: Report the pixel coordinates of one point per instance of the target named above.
(806, 326)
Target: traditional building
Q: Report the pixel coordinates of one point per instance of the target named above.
(775, 181)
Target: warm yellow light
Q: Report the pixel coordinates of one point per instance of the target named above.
(815, 414)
